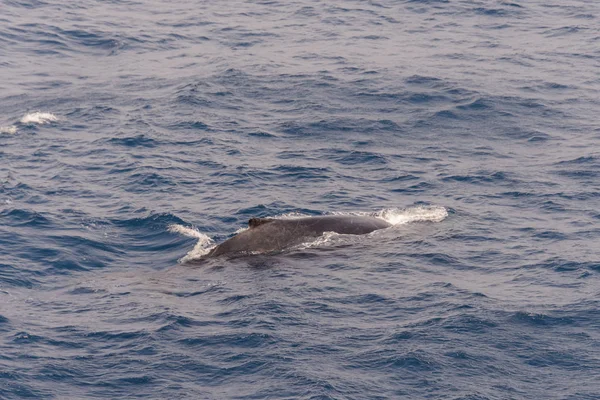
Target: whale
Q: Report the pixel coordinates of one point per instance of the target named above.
(269, 235)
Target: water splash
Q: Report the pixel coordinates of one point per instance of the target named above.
(10, 130)
(326, 239)
(413, 214)
(38, 118)
(202, 247)
(400, 216)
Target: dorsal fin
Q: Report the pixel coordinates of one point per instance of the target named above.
(254, 222)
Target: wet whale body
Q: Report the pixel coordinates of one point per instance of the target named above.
(266, 235)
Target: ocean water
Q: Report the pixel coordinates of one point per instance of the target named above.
(134, 134)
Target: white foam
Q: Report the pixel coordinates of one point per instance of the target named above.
(202, 247)
(292, 215)
(327, 238)
(10, 130)
(414, 214)
(242, 229)
(38, 118)
(184, 230)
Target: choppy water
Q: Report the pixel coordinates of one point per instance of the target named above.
(121, 119)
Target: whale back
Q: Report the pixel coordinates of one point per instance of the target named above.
(265, 235)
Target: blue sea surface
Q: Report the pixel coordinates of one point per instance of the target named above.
(474, 126)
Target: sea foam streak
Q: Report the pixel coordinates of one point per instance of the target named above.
(201, 248)
(38, 118)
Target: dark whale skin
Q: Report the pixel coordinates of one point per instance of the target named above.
(266, 235)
